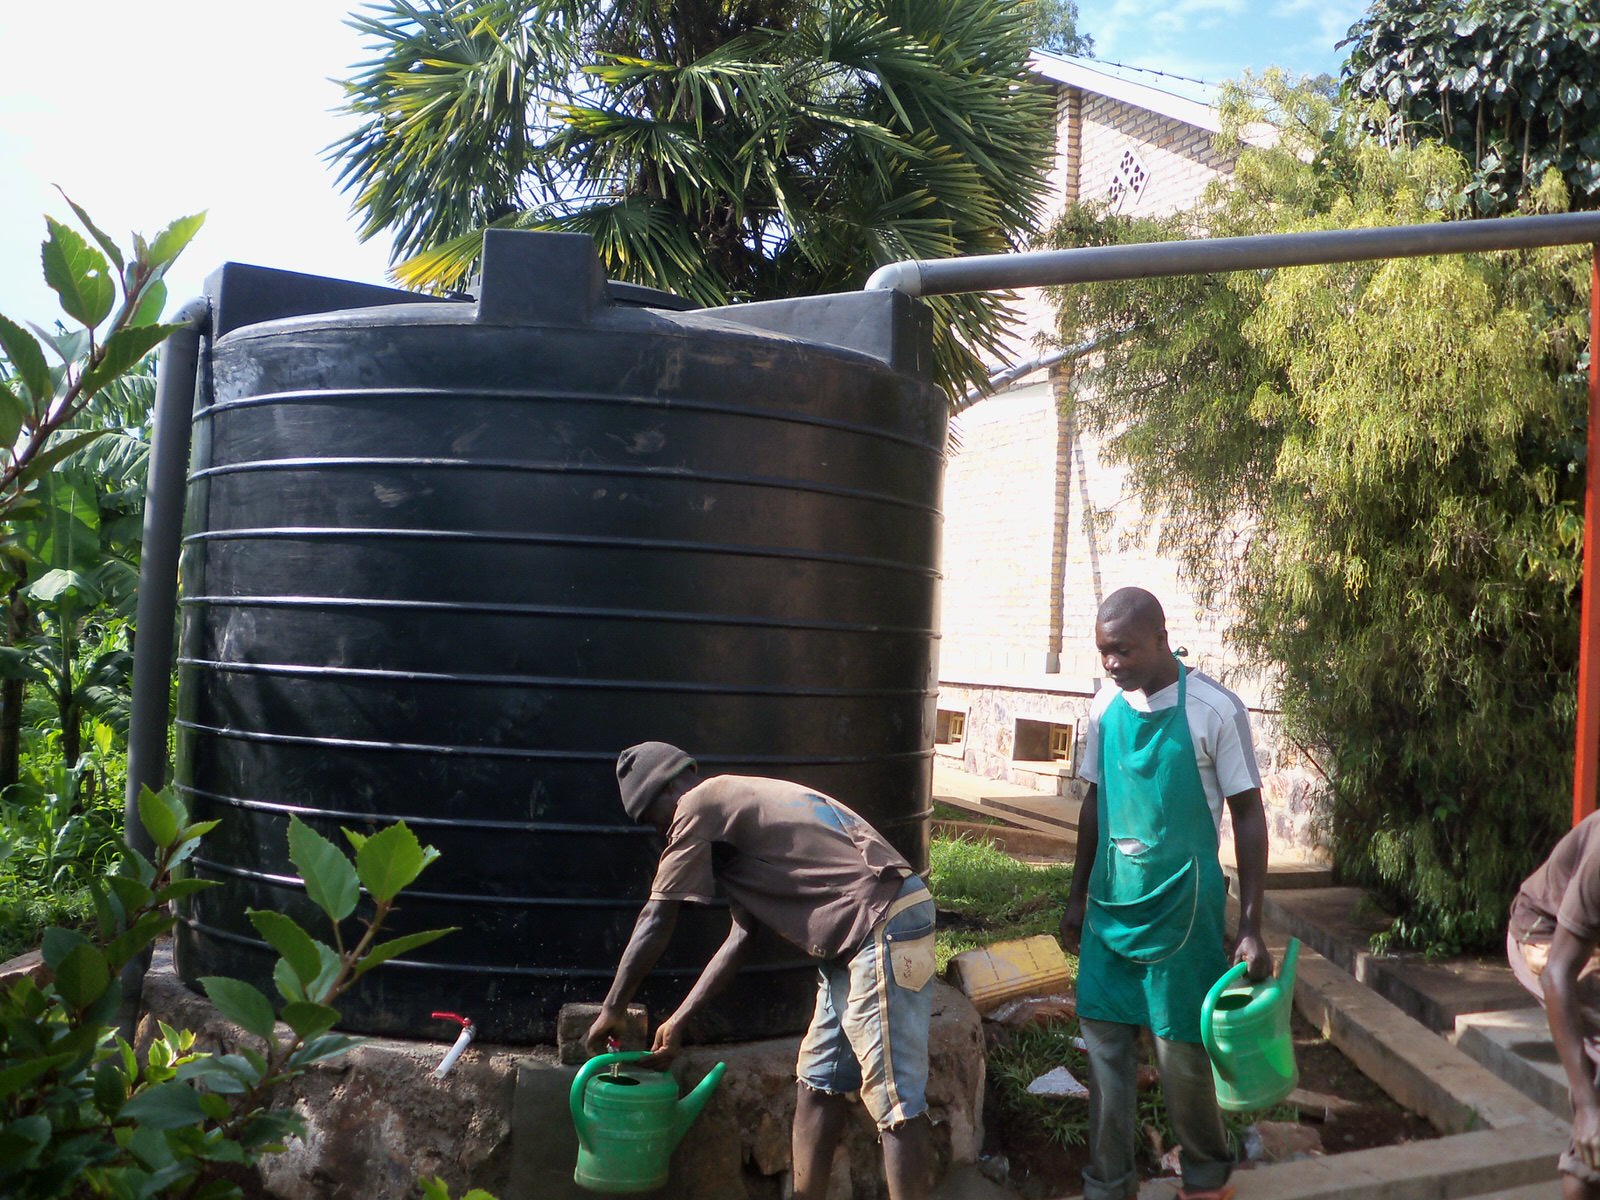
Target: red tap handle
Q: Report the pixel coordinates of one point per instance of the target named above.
(450, 1016)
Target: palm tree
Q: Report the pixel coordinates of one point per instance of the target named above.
(726, 150)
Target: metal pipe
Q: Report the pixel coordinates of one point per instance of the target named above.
(158, 560)
(1101, 264)
(165, 482)
(1586, 768)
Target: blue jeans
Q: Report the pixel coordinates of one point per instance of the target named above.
(869, 1032)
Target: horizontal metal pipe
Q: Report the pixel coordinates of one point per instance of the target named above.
(1144, 260)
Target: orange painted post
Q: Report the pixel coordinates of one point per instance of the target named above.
(1586, 764)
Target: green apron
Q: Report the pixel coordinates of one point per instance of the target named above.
(1153, 937)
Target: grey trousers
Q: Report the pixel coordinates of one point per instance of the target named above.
(1186, 1084)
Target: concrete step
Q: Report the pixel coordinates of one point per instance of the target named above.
(1516, 1046)
(1007, 802)
(1339, 922)
(1491, 1162)
(1549, 1189)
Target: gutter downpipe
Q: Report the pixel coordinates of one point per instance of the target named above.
(1102, 264)
(172, 428)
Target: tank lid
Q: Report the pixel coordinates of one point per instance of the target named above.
(539, 278)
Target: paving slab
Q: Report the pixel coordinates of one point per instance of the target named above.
(1516, 1046)
(1491, 1162)
(1339, 922)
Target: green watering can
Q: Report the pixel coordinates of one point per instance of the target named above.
(630, 1122)
(1245, 1027)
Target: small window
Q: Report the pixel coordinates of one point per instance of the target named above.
(1044, 742)
(952, 727)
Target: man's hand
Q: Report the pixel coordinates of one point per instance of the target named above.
(1253, 952)
(1071, 932)
(609, 1022)
(1586, 1135)
(666, 1045)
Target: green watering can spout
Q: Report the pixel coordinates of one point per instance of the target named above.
(1245, 1028)
(689, 1107)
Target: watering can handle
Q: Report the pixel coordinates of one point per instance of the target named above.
(587, 1072)
(1210, 1003)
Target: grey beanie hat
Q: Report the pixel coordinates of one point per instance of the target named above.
(643, 770)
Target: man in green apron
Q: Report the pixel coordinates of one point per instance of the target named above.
(1166, 747)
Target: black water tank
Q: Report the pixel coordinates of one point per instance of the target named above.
(444, 560)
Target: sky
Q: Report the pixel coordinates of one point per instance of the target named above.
(1217, 40)
(145, 111)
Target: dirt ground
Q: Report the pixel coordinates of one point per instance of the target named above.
(1038, 1168)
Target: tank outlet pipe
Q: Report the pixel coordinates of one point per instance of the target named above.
(461, 1043)
(1145, 260)
(166, 479)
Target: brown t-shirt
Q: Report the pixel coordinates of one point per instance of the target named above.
(1564, 891)
(799, 862)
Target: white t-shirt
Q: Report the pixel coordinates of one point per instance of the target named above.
(1219, 726)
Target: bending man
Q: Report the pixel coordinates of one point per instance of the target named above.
(1555, 927)
(813, 871)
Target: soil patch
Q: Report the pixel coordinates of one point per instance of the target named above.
(1038, 1166)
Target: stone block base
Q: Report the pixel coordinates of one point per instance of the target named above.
(377, 1119)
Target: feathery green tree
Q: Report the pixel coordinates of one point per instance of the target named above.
(1378, 468)
(725, 150)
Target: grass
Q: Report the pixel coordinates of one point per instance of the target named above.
(985, 896)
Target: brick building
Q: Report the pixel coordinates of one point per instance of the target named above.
(1038, 529)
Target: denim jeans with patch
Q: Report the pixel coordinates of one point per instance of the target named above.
(869, 1032)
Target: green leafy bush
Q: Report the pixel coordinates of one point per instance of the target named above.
(81, 1115)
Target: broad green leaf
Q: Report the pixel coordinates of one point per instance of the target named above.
(113, 252)
(390, 860)
(131, 893)
(22, 1140)
(161, 814)
(330, 878)
(193, 833)
(124, 351)
(58, 943)
(14, 1079)
(308, 1019)
(225, 1074)
(382, 953)
(151, 304)
(329, 1045)
(170, 241)
(170, 1105)
(82, 976)
(78, 274)
(58, 587)
(150, 926)
(182, 889)
(14, 413)
(26, 356)
(288, 983)
(240, 1003)
(59, 448)
(297, 946)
